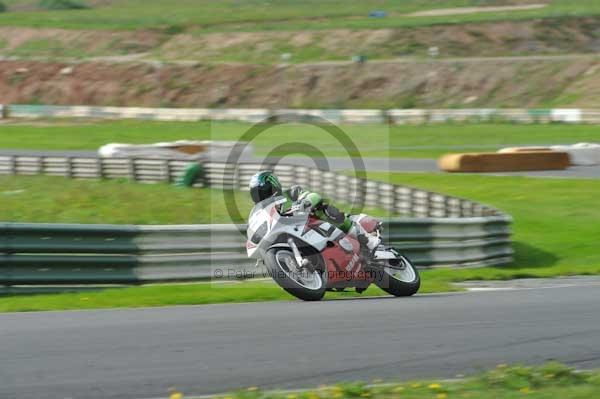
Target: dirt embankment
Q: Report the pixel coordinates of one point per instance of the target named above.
(495, 83)
(531, 37)
(538, 37)
(17, 41)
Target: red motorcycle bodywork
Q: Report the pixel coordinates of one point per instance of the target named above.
(345, 268)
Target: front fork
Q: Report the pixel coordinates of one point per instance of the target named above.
(300, 261)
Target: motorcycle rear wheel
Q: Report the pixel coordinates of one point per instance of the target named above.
(399, 282)
(307, 285)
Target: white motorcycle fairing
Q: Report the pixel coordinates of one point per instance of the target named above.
(266, 226)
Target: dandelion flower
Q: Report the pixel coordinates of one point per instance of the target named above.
(441, 395)
(313, 395)
(434, 386)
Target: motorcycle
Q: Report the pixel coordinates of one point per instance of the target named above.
(307, 256)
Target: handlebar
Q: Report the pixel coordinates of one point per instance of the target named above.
(299, 206)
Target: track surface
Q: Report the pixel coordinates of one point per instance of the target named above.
(371, 164)
(206, 349)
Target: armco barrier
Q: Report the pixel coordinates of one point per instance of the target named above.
(48, 254)
(361, 116)
(397, 199)
(438, 230)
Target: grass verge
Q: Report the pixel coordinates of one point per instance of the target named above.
(424, 141)
(552, 380)
(174, 294)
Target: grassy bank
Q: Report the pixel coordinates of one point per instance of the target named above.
(552, 380)
(275, 15)
(426, 141)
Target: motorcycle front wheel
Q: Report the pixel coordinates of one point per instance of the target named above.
(305, 284)
(401, 279)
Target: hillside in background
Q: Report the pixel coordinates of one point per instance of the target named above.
(483, 39)
(277, 53)
(469, 83)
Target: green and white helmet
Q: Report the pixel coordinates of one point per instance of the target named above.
(264, 185)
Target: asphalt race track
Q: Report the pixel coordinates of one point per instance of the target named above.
(207, 349)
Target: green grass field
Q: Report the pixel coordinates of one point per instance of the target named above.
(233, 15)
(549, 381)
(555, 222)
(53, 199)
(45, 199)
(423, 141)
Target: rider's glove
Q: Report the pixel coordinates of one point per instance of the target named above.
(306, 204)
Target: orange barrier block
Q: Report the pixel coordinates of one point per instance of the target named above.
(525, 149)
(504, 162)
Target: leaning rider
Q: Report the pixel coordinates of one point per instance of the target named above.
(265, 184)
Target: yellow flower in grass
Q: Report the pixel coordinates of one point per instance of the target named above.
(441, 395)
(176, 395)
(434, 386)
(525, 390)
(312, 395)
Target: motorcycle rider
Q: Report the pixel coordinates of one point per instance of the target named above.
(265, 184)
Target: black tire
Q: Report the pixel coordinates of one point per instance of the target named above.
(281, 277)
(396, 287)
